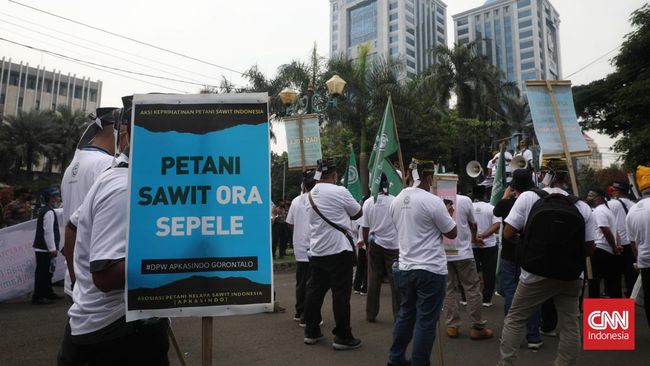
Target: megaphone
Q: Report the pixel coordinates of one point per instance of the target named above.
(518, 162)
(473, 169)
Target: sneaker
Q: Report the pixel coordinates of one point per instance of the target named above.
(313, 340)
(464, 303)
(535, 345)
(452, 332)
(362, 293)
(479, 334)
(550, 333)
(296, 317)
(487, 304)
(346, 344)
(303, 324)
(356, 292)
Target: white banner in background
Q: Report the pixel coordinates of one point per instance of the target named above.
(17, 261)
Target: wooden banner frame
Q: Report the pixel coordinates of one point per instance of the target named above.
(299, 118)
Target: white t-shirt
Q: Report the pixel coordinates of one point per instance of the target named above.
(337, 205)
(494, 163)
(638, 230)
(604, 218)
(86, 165)
(464, 216)
(519, 214)
(101, 236)
(376, 217)
(483, 213)
(527, 154)
(48, 232)
(618, 210)
(298, 216)
(421, 218)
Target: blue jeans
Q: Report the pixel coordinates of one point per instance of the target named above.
(421, 293)
(510, 272)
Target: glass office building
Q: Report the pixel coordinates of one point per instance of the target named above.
(403, 30)
(521, 37)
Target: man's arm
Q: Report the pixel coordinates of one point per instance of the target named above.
(69, 239)
(473, 229)
(48, 233)
(357, 215)
(609, 237)
(510, 233)
(451, 234)
(366, 234)
(590, 248)
(634, 250)
(489, 231)
(110, 278)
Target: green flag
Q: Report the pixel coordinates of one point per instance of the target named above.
(385, 145)
(499, 185)
(351, 179)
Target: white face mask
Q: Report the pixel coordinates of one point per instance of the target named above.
(548, 178)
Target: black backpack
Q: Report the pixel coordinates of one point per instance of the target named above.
(552, 244)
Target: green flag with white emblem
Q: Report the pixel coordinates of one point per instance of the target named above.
(386, 144)
(351, 179)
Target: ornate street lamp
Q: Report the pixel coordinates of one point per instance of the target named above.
(313, 102)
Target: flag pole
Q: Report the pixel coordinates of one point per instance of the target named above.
(399, 146)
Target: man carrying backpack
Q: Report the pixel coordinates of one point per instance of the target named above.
(557, 232)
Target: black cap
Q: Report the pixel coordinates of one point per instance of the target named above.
(325, 165)
(521, 180)
(105, 114)
(308, 176)
(478, 191)
(621, 186)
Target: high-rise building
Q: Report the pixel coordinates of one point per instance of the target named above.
(399, 29)
(521, 37)
(23, 88)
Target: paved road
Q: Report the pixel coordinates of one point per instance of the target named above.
(31, 336)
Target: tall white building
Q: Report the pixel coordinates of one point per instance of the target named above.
(521, 37)
(404, 29)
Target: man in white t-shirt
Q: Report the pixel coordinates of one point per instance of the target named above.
(485, 249)
(421, 219)
(638, 230)
(298, 221)
(331, 256)
(607, 261)
(462, 270)
(494, 163)
(380, 236)
(89, 161)
(533, 290)
(525, 152)
(620, 205)
(99, 331)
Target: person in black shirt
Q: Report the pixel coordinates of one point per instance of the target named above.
(46, 247)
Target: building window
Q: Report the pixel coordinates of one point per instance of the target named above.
(410, 19)
(2, 98)
(393, 28)
(410, 41)
(440, 30)
(63, 89)
(440, 20)
(392, 6)
(394, 51)
(522, 3)
(335, 7)
(362, 23)
(496, 13)
(440, 11)
(461, 22)
(77, 93)
(527, 66)
(53, 106)
(478, 19)
(463, 31)
(463, 40)
(525, 23)
(525, 34)
(526, 55)
(38, 104)
(13, 78)
(525, 13)
(528, 76)
(524, 45)
(409, 8)
(31, 82)
(441, 40)
(410, 52)
(20, 103)
(393, 39)
(48, 86)
(410, 64)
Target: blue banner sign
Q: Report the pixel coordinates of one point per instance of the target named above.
(199, 206)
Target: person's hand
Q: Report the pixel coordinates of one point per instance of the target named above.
(479, 241)
(54, 253)
(618, 249)
(508, 193)
(361, 244)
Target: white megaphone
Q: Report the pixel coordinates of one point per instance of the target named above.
(518, 162)
(473, 169)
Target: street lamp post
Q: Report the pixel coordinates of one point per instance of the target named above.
(313, 102)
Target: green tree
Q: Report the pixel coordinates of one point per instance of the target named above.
(33, 136)
(617, 105)
(68, 126)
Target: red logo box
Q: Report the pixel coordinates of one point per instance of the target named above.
(608, 324)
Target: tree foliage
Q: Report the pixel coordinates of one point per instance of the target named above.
(617, 105)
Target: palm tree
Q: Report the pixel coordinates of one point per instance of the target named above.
(69, 126)
(369, 82)
(33, 136)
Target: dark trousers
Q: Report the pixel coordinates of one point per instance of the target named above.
(609, 268)
(332, 272)
(42, 277)
(628, 269)
(380, 264)
(645, 280)
(361, 273)
(145, 344)
(280, 238)
(302, 276)
(486, 263)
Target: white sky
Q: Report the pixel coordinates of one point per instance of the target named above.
(240, 33)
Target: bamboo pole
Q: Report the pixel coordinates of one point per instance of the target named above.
(206, 341)
(399, 146)
(172, 338)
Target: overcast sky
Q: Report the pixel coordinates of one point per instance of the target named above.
(241, 33)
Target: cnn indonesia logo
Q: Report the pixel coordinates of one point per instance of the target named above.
(608, 324)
